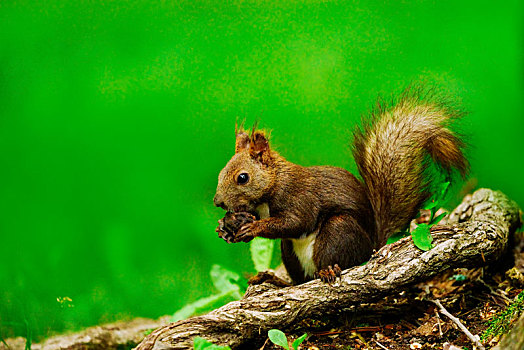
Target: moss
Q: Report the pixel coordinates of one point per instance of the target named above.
(504, 319)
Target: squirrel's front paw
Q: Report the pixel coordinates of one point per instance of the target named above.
(231, 223)
(246, 233)
(223, 232)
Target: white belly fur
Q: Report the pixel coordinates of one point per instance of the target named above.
(303, 247)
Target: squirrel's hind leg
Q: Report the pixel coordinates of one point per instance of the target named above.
(340, 244)
(291, 262)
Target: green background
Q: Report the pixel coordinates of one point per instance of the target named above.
(116, 117)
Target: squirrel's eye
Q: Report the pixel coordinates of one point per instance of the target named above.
(242, 178)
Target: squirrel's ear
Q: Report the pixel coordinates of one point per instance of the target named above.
(242, 141)
(259, 146)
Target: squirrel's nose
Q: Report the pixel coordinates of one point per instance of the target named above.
(218, 202)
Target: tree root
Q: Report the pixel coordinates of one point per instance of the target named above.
(475, 234)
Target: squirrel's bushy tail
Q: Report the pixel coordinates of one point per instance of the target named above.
(393, 150)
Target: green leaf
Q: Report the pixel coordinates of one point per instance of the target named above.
(28, 336)
(442, 189)
(2, 340)
(422, 237)
(397, 236)
(437, 219)
(202, 344)
(430, 203)
(222, 277)
(222, 280)
(458, 278)
(202, 304)
(278, 338)
(437, 197)
(299, 341)
(261, 252)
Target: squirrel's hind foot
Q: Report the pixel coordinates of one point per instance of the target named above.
(268, 277)
(330, 274)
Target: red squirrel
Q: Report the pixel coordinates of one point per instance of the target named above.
(327, 218)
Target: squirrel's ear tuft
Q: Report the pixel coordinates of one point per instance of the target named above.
(259, 146)
(242, 141)
(242, 138)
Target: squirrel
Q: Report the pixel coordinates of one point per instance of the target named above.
(327, 218)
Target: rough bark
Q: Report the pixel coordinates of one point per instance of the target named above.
(128, 334)
(475, 234)
(119, 335)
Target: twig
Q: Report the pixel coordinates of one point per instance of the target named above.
(463, 328)
(357, 329)
(320, 334)
(495, 292)
(263, 346)
(366, 329)
(438, 320)
(382, 346)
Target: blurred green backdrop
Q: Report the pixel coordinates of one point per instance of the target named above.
(116, 117)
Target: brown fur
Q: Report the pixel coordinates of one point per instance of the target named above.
(349, 217)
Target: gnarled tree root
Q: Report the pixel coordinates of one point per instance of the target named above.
(475, 234)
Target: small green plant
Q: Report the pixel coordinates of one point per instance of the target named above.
(422, 234)
(202, 344)
(279, 338)
(2, 340)
(458, 278)
(502, 322)
(224, 281)
(397, 236)
(261, 252)
(228, 283)
(28, 336)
